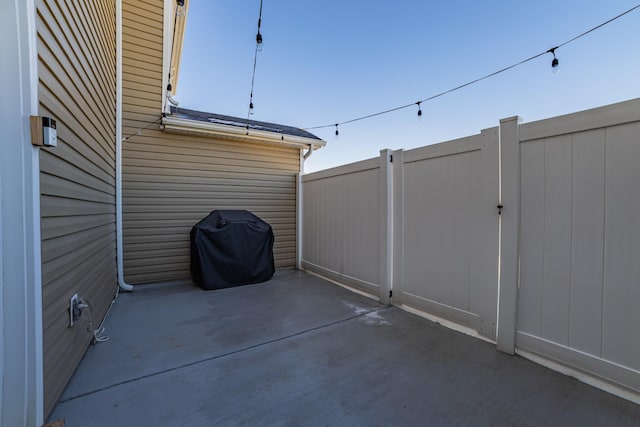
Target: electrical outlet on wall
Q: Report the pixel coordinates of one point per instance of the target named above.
(74, 309)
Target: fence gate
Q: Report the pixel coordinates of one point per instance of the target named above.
(445, 222)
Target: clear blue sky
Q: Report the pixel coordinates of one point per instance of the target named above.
(329, 61)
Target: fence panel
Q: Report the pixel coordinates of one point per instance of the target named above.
(446, 230)
(342, 225)
(579, 288)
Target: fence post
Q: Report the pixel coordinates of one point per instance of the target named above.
(509, 206)
(397, 225)
(299, 215)
(386, 225)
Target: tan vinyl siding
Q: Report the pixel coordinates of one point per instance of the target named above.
(173, 181)
(142, 27)
(76, 70)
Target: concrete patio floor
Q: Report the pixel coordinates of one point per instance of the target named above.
(298, 350)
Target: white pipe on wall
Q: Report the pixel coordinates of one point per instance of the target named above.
(306, 156)
(303, 157)
(119, 243)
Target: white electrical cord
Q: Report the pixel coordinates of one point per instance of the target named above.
(98, 333)
(101, 328)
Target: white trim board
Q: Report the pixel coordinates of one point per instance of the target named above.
(21, 395)
(599, 371)
(580, 376)
(361, 287)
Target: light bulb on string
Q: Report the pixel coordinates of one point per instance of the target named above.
(180, 9)
(419, 109)
(337, 132)
(250, 107)
(555, 62)
(259, 36)
(259, 41)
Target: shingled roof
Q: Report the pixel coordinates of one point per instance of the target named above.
(200, 116)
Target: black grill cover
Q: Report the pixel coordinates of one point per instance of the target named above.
(231, 248)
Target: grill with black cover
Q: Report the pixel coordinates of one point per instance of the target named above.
(231, 248)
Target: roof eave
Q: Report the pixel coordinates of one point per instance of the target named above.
(178, 125)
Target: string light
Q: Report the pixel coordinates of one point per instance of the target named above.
(259, 41)
(180, 10)
(259, 36)
(337, 132)
(555, 63)
(255, 60)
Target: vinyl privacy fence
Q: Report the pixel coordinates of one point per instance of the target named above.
(526, 234)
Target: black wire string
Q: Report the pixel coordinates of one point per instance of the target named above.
(255, 60)
(502, 70)
(253, 79)
(600, 26)
(139, 131)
